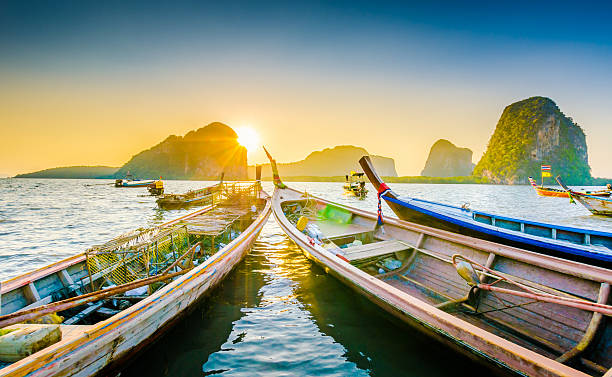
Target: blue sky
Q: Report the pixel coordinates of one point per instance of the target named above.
(391, 77)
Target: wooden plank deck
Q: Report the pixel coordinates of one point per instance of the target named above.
(331, 229)
(216, 221)
(374, 249)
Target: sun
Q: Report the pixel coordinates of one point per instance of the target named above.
(248, 138)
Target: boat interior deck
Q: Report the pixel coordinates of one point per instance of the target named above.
(421, 266)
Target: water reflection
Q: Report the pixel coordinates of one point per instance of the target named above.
(278, 314)
(254, 324)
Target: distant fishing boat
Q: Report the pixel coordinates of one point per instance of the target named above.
(129, 181)
(597, 205)
(584, 245)
(205, 195)
(527, 313)
(156, 188)
(355, 184)
(549, 191)
(118, 297)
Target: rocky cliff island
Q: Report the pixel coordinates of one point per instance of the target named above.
(332, 162)
(72, 172)
(530, 133)
(447, 160)
(200, 155)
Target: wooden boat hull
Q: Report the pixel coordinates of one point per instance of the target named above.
(169, 204)
(463, 336)
(597, 206)
(355, 192)
(135, 184)
(582, 245)
(548, 192)
(111, 341)
(192, 198)
(557, 193)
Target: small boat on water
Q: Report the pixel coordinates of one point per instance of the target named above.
(129, 181)
(523, 312)
(355, 185)
(120, 296)
(550, 191)
(583, 245)
(596, 204)
(156, 188)
(203, 196)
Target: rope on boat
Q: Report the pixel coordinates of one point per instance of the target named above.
(382, 190)
(465, 269)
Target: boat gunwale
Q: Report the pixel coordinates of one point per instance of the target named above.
(127, 316)
(501, 217)
(412, 306)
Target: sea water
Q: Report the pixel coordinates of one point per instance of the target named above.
(276, 313)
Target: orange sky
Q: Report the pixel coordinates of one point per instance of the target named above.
(48, 123)
(93, 84)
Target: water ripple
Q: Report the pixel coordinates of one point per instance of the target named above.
(276, 314)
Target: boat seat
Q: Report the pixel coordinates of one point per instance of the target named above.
(375, 249)
(333, 230)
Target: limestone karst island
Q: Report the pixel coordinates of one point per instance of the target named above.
(305, 189)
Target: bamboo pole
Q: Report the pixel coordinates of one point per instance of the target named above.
(578, 304)
(191, 250)
(25, 315)
(89, 271)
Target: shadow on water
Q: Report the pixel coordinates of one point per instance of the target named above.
(278, 314)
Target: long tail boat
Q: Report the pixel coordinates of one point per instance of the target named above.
(549, 191)
(129, 181)
(597, 205)
(523, 312)
(355, 185)
(118, 297)
(583, 245)
(203, 196)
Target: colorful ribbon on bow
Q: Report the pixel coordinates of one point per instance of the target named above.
(382, 190)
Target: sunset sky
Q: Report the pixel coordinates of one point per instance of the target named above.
(92, 83)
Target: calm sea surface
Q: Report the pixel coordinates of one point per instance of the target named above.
(276, 314)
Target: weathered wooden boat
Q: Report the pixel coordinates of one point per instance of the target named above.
(523, 312)
(129, 181)
(156, 188)
(355, 185)
(133, 183)
(583, 245)
(204, 196)
(201, 196)
(597, 205)
(550, 191)
(119, 297)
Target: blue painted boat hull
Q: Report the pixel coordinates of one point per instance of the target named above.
(582, 245)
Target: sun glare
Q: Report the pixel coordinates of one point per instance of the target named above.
(248, 138)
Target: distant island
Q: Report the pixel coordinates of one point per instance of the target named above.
(330, 162)
(447, 160)
(529, 133)
(199, 155)
(73, 172)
